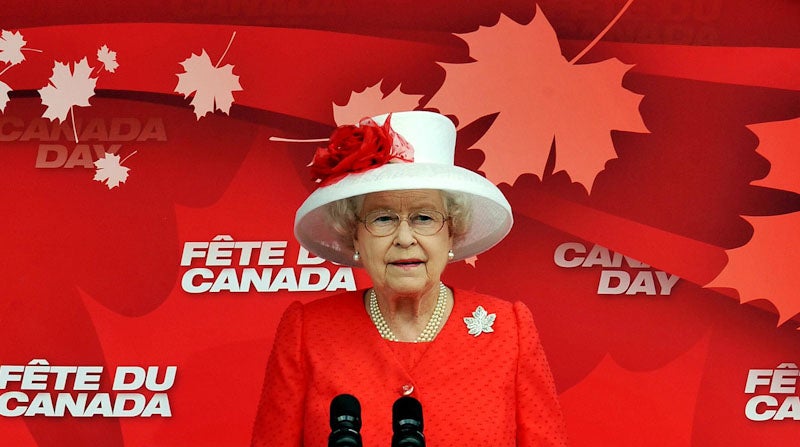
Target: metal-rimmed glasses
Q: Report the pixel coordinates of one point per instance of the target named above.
(422, 222)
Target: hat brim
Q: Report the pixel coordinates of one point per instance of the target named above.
(491, 217)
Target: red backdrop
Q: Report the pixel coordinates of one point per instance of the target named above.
(648, 148)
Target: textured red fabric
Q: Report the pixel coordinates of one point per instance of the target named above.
(493, 390)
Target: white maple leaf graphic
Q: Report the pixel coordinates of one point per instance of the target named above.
(110, 170)
(212, 85)
(4, 89)
(108, 58)
(67, 89)
(480, 322)
(11, 45)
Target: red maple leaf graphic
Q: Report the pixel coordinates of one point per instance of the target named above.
(576, 104)
(764, 267)
(372, 102)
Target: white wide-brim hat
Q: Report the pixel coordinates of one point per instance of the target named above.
(433, 138)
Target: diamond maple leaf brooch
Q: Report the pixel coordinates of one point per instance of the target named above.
(480, 322)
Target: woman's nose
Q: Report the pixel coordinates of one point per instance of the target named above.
(404, 235)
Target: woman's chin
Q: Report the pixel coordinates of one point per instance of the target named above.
(408, 285)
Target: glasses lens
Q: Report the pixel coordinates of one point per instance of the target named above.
(381, 223)
(423, 222)
(427, 222)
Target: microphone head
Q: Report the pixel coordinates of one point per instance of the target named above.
(407, 414)
(345, 412)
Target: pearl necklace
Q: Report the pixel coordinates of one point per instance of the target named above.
(427, 334)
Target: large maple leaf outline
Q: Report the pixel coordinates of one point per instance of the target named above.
(773, 245)
(366, 103)
(775, 139)
(212, 86)
(578, 105)
(67, 88)
(372, 102)
(775, 238)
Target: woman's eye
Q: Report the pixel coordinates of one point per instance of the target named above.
(383, 219)
(423, 217)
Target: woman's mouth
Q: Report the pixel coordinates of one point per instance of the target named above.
(406, 263)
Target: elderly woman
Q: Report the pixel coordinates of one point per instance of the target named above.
(391, 201)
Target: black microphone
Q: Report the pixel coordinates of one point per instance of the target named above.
(345, 422)
(407, 423)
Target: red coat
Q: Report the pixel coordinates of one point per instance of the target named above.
(493, 390)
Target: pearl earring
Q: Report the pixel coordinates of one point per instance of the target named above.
(356, 256)
(450, 255)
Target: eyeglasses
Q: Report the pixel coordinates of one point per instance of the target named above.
(423, 222)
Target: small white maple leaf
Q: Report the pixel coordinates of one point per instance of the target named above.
(4, 89)
(108, 58)
(67, 88)
(110, 170)
(480, 322)
(11, 45)
(212, 86)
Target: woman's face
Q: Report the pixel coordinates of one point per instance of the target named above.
(404, 262)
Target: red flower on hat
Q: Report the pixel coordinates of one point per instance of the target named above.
(358, 148)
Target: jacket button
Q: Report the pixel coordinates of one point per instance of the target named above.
(407, 389)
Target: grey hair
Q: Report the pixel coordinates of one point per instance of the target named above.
(343, 216)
